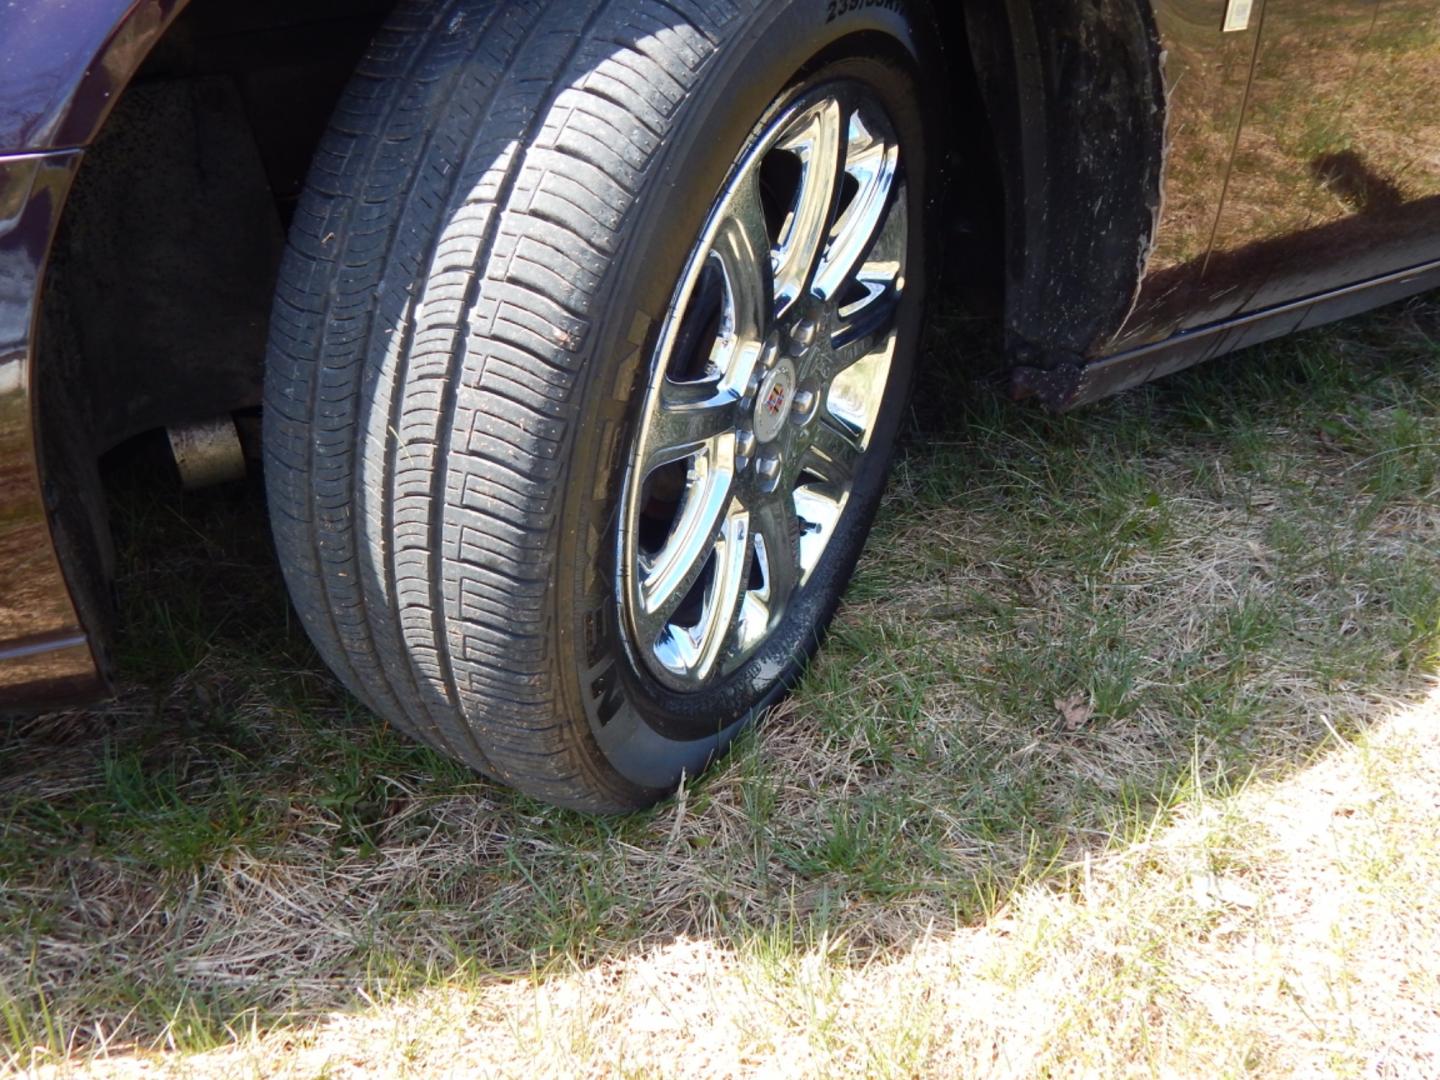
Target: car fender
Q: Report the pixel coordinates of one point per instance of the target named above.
(63, 64)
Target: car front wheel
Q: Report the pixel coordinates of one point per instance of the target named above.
(587, 360)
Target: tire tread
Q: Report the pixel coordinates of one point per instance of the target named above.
(427, 353)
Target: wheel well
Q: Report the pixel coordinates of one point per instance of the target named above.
(1056, 118)
(972, 263)
(159, 283)
(163, 268)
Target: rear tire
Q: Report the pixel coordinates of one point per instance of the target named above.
(469, 315)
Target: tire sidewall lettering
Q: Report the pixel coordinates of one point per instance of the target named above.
(838, 9)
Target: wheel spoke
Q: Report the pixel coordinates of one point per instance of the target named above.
(818, 507)
(743, 247)
(690, 419)
(834, 452)
(863, 330)
(778, 530)
(816, 138)
(872, 163)
(668, 578)
(856, 394)
(720, 624)
(866, 320)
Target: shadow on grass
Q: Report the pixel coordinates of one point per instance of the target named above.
(1065, 628)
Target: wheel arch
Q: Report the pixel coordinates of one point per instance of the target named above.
(66, 68)
(155, 285)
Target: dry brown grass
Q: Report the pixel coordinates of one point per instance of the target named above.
(1291, 930)
(1222, 860)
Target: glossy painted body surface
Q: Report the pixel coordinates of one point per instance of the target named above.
(63, 64)
(1303, 157)
(44, 651)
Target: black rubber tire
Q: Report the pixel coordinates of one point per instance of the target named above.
(493, 227)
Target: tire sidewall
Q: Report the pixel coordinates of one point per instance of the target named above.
(647, 733)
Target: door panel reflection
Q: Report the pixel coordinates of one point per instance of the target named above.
(1335, 177)
(36, 614)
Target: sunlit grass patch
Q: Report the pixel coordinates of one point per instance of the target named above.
(1033, 810)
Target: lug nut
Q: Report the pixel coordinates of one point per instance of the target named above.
(769, 471)
(745, 443)
(770, 355)
(804, 405)
(752, 388)
(802, 336)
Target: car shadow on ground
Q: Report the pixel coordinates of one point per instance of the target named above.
(1064, 628)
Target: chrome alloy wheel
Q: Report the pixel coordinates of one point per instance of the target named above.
(769, 377)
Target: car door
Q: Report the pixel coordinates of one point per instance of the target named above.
(1335, 178)
(1302, 155)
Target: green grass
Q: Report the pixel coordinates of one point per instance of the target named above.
(1229, 571)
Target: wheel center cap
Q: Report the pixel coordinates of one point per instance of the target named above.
(775, 400)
